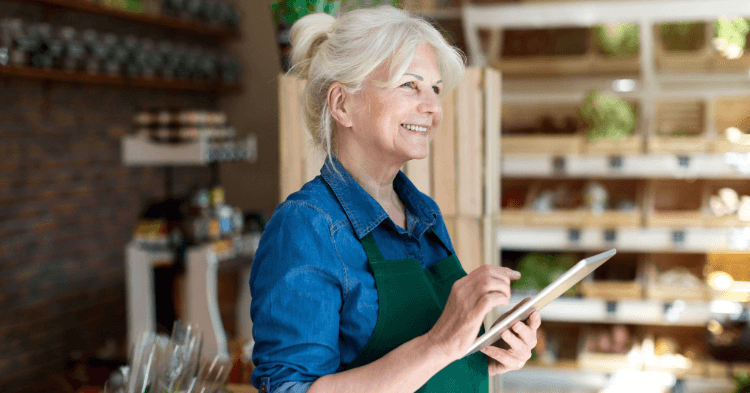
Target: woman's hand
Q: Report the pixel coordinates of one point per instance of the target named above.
(514, 350)
(470, 300)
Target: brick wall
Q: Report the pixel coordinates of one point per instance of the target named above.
(67, 209)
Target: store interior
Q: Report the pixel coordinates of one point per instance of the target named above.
(147, 143)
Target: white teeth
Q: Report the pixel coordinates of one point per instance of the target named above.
(414, 128)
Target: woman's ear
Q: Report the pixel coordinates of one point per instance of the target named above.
(338, 104)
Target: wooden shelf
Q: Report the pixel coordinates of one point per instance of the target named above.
(194, 28)
(57, 75)
(139, 150)
(642, 240)
(622, 165)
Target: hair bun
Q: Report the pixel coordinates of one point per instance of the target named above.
(307, 34)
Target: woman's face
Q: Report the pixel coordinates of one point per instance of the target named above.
(398, 122)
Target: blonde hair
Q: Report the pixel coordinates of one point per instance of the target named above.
(349, 49)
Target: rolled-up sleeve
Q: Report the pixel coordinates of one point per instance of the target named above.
(297, 285)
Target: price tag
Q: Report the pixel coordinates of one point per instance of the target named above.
(610, 235)
(678, 238)
(615, 163)
(672, 311)
(683, 162)
(611, 308)
(679, 386)
(558, 164)
(574, 235)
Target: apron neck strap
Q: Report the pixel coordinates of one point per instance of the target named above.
(371, 248)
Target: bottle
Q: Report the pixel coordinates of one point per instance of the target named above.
(74, 51)
(229, 69)
(92, 60)
(131, 44)
(168, 60)
(115, 54)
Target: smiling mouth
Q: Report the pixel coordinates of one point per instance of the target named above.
(415, 128)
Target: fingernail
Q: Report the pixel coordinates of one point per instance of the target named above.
(517, 274)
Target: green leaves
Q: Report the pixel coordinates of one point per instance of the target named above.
(539, 270)
(607, 116)
(734, 31)
(617, 40)
(742, 382)
(286, 12)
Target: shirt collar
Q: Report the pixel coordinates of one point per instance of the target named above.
(364, 212)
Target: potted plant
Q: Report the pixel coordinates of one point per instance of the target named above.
(607, 116)
(286, 12)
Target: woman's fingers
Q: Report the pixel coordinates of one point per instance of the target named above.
(490, 279)
(535, 320)
(514, 342)
(525, 333)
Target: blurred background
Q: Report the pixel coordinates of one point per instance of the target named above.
(145, 143)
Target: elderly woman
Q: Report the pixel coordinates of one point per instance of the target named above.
(355, 285)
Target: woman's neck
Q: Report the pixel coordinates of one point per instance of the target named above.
(376, 178)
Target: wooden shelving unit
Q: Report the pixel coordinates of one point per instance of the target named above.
(684, 104)
(185, 26)
(57, 75)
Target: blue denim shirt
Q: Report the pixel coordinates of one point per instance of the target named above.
(314, 302)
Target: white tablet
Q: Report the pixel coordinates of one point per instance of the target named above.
(544, 297)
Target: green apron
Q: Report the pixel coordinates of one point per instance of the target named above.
(410, 301)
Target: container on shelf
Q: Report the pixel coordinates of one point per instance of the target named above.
(672, 203)
(552, 129)
(731, 117)
(621, 209)
(620, 278)
(626, 145)
(609, 348)
(728, 203)
(514, 203)
(554, 51)
(671, 277)
(680, 128)
(685, 46)
(677, 351)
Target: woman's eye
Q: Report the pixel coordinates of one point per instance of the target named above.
(410, 85)
(436, 89)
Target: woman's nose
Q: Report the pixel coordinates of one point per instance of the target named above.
(429, 102)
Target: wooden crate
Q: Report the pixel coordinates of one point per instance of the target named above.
(543, 144)
(672, 203)
(678, 117)
(591, 61)
(658, 264)
(613, 219)
(699, 59)
(513, 217)
(679, 363)
(615, 289)
(731, 112)
(516, 116)
(728, 221)
(628, 145)
(612, 290)
(557, 218)
(606, 362)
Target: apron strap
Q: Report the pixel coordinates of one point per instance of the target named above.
(371, 248)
